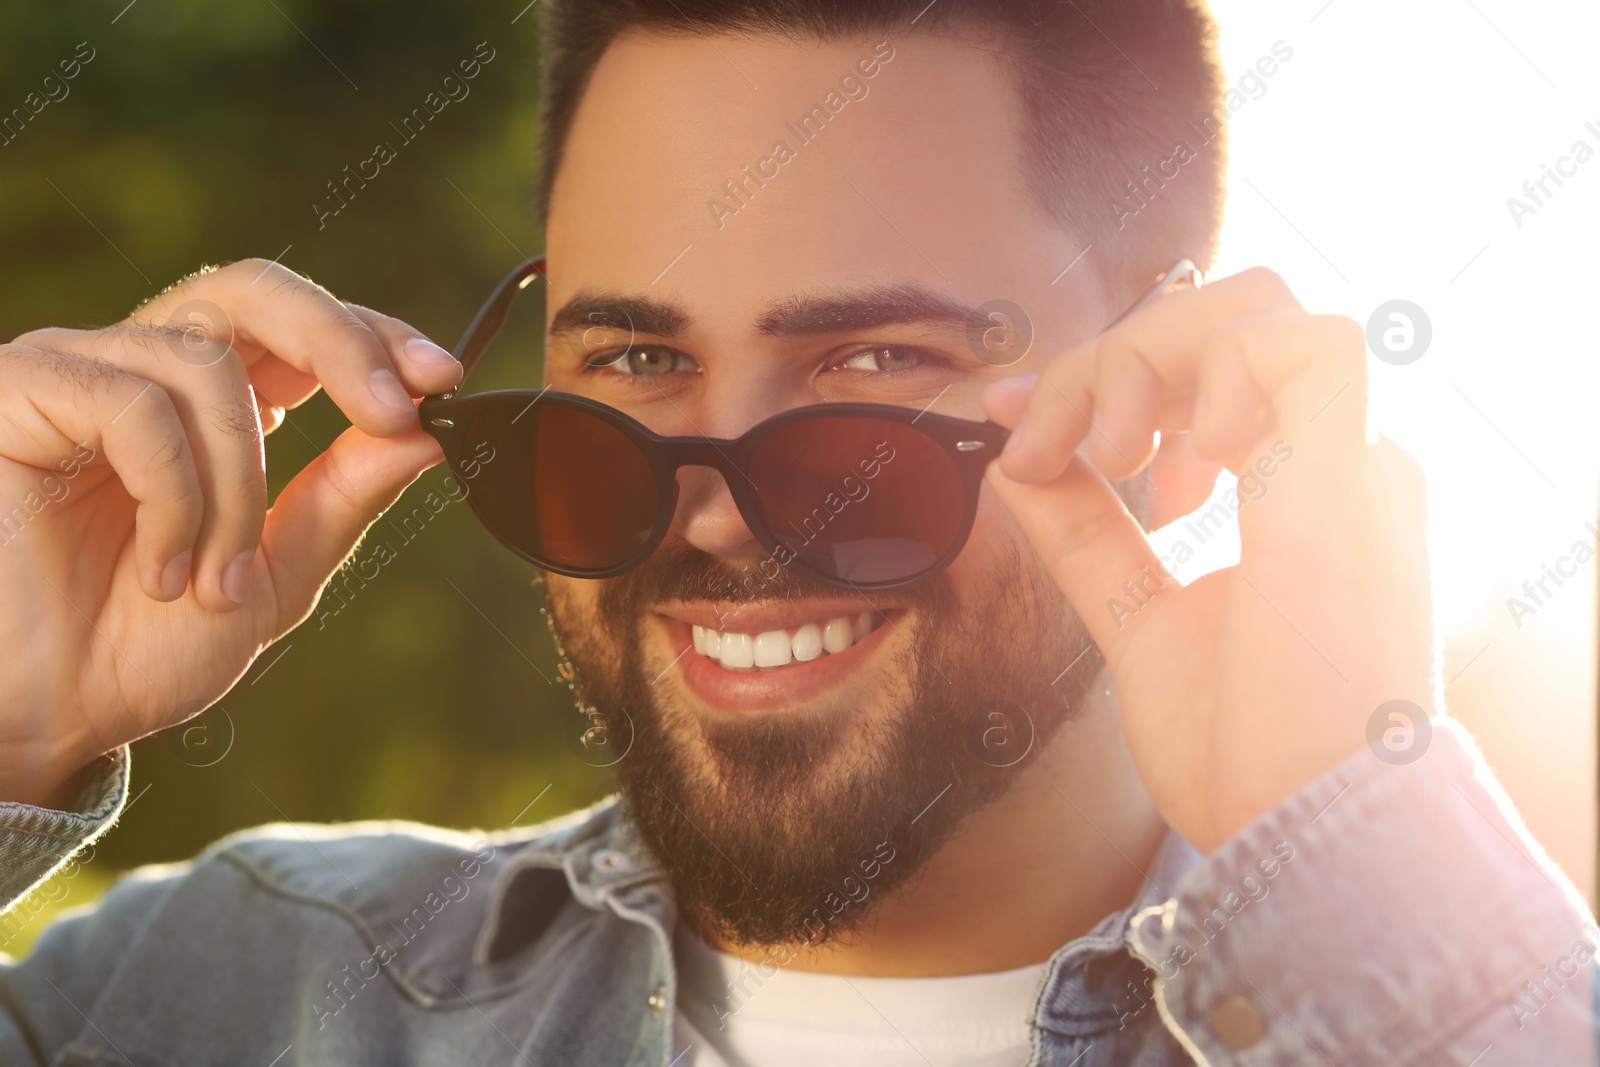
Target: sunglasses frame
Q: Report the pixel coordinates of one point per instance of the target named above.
(970, 445)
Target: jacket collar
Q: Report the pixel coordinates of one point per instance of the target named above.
(594, 856)
(1096, 982)
(1093, 983)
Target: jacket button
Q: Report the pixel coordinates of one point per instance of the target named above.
(610, 861)
(658, 1000)
(1237, 1024)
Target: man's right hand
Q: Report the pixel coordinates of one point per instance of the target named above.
(140, 570)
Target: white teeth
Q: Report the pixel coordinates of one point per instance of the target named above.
(807, 642)
(862, 626)
(779, 648)
(772, 649)
(737, 651)
(836, 637)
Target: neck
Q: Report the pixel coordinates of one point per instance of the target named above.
(1070, 843)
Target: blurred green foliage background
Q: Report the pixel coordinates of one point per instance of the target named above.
(203, 131)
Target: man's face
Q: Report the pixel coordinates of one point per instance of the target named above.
(762, 790)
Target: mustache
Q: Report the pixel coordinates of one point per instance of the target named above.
(681, 572)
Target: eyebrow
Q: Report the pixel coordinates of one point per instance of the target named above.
(861, 309)
(800, 315)
(642, 314)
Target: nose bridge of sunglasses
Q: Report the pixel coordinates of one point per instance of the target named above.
(716, 507)
(703, 467)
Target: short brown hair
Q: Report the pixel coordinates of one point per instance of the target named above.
(1110, 88)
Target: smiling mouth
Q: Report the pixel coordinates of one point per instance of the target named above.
(776, 649)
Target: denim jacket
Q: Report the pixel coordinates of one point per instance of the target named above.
(1382, 915)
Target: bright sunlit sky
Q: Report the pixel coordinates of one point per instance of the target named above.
(1376, 165)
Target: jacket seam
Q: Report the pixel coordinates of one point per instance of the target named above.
(401, 979)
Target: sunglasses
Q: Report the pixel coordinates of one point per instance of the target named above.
(852, 496)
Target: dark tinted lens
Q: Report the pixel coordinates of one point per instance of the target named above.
(859, 498)
(560, 485)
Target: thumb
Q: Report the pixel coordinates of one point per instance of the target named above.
(320, 515)
(1092, 547)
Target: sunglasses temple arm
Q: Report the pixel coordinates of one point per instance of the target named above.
(492, 315)
(1181, 275)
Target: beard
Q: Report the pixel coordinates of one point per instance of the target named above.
(791, 828)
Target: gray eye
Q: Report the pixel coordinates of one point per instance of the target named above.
(884, 359)
(652, 361)
(646, 361)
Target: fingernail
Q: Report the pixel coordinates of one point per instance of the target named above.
(422, 350)
(388, 391)
(1017, 383)
(175, 576)
(236, 577)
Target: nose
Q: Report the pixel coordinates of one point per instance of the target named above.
(708, 518)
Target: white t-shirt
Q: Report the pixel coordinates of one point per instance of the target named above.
(733, 1013)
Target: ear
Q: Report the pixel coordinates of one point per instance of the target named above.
(1182, 479)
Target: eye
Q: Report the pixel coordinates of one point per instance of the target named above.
(644, 361)
(883, 359)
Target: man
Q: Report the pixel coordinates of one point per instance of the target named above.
(1039, 805)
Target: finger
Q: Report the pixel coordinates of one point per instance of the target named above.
(1291, 375)
(271, 415)
(320, 515)
(1092, 547)
(1183, 480)
(57, 408)
(149, 349)
(1129, 396)
(219, 413)
(424, 367)
(1231, 409)
(273, 313)
(282, 385)
(1069, 402)
(1006, 399)
(226, 434)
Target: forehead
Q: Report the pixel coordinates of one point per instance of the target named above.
(753, 167)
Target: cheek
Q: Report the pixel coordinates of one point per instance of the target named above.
(995, 542)
(574, 611)
(999, 578)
